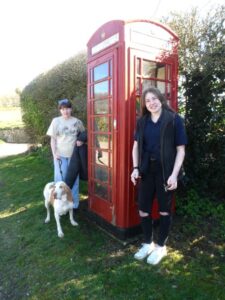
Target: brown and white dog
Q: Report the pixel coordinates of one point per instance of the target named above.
(60, 197)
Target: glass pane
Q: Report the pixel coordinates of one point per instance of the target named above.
(138, 106)
(110, 142)
(101, 191)
(101, 90)
(91, 75)
(101, 141)
(110, 124)
(101, 174)
(169, 72)
(101, 157)
(110, 70)
(138, 86)
(101, 124)
(161, 72)
(101, 107)
(110, 159)
(148, 83)
(110, 195)
(168, 95)
(101, 71)
(149, 69)
(138, 68)
(161, 86)
(110, 177)
(91, 91)
(110, 82)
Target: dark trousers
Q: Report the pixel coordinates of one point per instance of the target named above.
(152, 185)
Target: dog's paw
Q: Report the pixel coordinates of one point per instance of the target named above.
(74, 223)
(60, 234)
(47, 220)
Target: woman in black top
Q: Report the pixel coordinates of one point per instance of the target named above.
(158, 154)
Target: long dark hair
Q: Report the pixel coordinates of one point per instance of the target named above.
(159, 95)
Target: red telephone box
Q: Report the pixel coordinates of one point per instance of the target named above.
(124, 58)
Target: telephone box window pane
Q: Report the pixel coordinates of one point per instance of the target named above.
(91, 92)
(138, 86)
(161, 72)
(91, 75)
(138, 106)
(161, 86)
(110, 177)
(101, 107)
(110, 195)
(101, 90)
(111, 162)
(101, 124)
(168, 95)
(149, 69)
(110, 142)
(169, 72)
(110, 69)
(110, 82)
(101, 174)
(138, 67)
(101, 141)
(101, 71)
(101, 157)
(147, 84)
(101, 191)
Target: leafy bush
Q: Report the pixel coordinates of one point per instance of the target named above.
(202, 69)
(39, 98)
(199, 209)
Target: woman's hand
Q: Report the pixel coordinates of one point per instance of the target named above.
(56, 156)
(134, 176)
(172, 183)
(79, 143)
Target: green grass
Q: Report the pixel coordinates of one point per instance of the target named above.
(10, 117)
(87, 263)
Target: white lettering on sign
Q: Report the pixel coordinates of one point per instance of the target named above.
(104, 44)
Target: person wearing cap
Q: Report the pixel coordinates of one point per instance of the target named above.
(63, 131)
(158, 154)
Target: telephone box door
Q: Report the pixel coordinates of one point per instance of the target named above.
(150, 72)
(101, 135)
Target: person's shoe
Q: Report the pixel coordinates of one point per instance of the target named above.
(157, 254)
(144, 251)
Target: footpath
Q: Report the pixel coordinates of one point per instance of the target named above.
(8, 149)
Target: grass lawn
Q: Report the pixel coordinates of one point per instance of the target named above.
(10, 117)
(87, 263)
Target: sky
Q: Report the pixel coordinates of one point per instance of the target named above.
(36, 35)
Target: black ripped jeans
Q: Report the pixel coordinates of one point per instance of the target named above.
(151, 185)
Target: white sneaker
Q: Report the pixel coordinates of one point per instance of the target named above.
(157, 254)
(144, 251)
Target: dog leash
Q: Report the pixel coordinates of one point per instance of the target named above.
(60, 167)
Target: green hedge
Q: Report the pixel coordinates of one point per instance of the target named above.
(39, 98)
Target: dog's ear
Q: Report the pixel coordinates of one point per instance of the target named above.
(52, 195)
(68, 192)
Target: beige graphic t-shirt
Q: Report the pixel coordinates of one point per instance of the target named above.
(65, 132)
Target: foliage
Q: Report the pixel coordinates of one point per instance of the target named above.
(202, 70)
(87, 263)
(66, 80)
